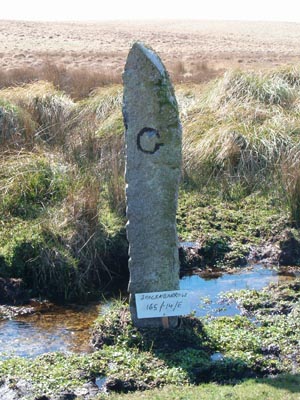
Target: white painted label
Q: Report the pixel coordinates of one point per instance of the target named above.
(162, 304)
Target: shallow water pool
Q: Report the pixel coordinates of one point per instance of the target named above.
(59, 329)
(206, 297)
(68, 329)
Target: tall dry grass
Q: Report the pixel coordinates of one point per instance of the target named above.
(78, 83)
(198, 71)
(242, 135)
(46, 114)
(80, 243)
(98, 142)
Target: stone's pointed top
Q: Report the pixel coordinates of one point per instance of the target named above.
(153, 169)
(151, 55)
(143, 66)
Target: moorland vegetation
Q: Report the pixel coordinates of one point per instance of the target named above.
(62, 178)
(62, 235)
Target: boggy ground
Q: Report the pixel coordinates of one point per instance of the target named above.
(264, 342)
(222, 235)
(63, 215)
(62, 182)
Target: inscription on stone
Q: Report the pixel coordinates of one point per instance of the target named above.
(148, 140)
(153, 170)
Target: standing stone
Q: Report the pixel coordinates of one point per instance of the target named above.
(153, 169)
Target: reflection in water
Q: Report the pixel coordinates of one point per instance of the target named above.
(206, 297)
(59, 329)
(69, 328)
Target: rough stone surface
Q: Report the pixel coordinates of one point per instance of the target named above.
(20, 390)
(281, 250)
(289, 249)
(153, 169)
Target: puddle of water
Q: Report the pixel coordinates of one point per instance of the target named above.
(101, 381)
(69, 328)
(206, 293)
(217, 357)
(59, 329)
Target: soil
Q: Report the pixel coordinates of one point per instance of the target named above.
(12, 291)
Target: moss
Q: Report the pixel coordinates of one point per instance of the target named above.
(166, 96)
(40, 258)
(62, 231)
(135, 359)
(114, 327)
(59, 232)
(225, 230)
(269, 343)
(276, 388)
(50, 266)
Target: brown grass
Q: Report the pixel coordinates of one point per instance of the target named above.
(76, 82)
(196, 72)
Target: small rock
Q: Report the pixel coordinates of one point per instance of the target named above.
(88, 391)
(17, 391)
(120, 385)
(290, 249)
(271, 349)
(66, 395)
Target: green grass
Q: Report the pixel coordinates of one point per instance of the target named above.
(62, 230)
(284, 387)
(227, 229)
(258, 358)
(31, 182)
(57, 233)
(264, 346)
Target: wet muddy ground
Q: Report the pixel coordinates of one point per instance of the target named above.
(43, 328)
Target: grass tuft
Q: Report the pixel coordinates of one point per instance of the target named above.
(63, 167)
